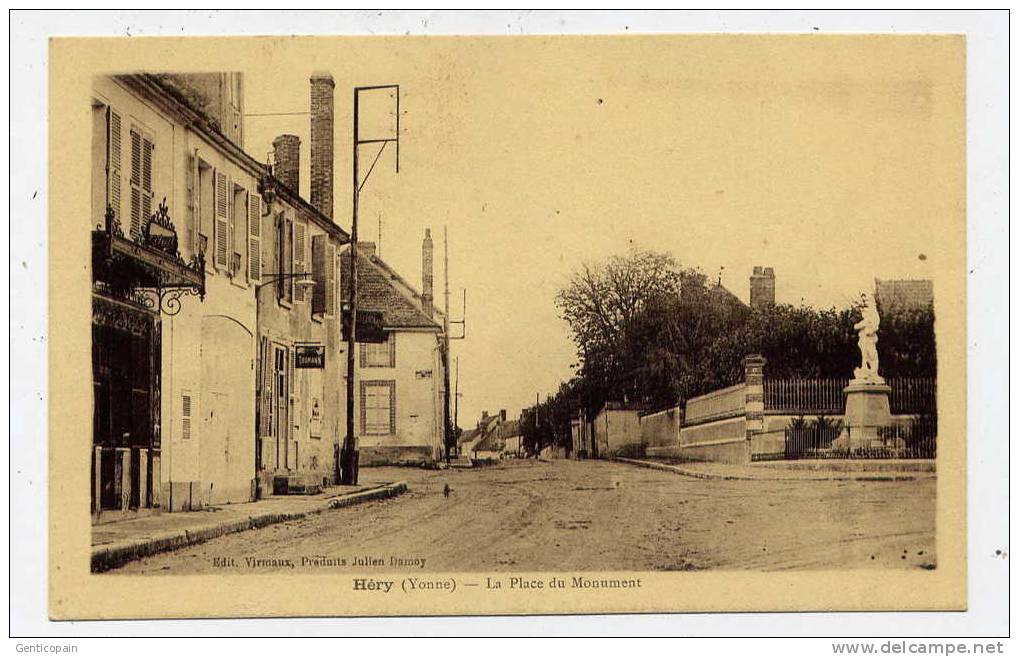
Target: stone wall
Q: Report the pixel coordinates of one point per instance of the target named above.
(716, 404)
(398, 455)
(617, 432)
(661, 429)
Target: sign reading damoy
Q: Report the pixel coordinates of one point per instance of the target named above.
(309, 356)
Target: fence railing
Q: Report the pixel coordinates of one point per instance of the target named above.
(913, 396)
(806, 395)
(918, 440)
(909, 396)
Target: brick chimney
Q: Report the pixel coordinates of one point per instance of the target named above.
(287, 161)
(427, 299)
(322, 87)
(762, 287)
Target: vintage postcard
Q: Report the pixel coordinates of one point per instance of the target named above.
(371, 326)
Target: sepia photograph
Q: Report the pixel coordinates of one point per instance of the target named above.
(506, 325)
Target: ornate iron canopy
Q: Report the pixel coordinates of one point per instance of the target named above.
(147, 270)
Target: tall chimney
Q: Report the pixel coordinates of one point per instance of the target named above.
(322, 87)
(287, 161)
(426, 274)
(762, 287)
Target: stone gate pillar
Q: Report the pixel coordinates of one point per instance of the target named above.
(753, 368)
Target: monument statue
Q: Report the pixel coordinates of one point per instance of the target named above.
(867, 409)
(867, 329)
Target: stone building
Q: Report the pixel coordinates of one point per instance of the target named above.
(300, 365)
(399, 380)
(217, 374)
(173, 300)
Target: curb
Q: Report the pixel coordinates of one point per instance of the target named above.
(868, 476)
(113, 556)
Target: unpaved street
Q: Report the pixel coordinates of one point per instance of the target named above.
(590, 515)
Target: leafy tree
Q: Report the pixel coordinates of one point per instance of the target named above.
(648, 330)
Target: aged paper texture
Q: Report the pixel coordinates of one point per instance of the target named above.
(648, 323)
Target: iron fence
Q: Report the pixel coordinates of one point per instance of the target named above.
(916, 440)
(909, 395)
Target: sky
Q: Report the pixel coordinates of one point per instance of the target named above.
(833, 160)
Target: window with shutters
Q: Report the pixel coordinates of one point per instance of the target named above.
(238, 232)
(300, 257)
(221, 230)
(115, 166)
(102, 153)
(185, 415)
(379, 354)
(318, 272)
(330, 281)
(284, 258)
(254, 238)
(206, 205)
(141, 179)
(378, 408)
(191, 192)
(323, 258)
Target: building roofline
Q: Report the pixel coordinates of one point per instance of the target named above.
(414, 297)
(172, 102)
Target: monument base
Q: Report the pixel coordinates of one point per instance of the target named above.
(867, 414)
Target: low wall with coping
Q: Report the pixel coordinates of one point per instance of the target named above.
(716, 404)
(661, 429)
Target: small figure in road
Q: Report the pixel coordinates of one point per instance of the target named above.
(446, 490)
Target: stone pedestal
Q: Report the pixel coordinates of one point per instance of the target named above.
(867, 413)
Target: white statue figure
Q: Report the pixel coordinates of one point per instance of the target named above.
(867, 329)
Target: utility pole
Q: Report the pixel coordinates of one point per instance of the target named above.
(456, 397)
(349, 452)
(449, 431)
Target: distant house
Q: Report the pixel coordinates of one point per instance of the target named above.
(512, 439)
(485, 441)
(399, 392)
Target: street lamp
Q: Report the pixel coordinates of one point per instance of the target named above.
(302, 279)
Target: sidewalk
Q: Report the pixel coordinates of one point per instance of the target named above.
(116, 543)
(819, 470)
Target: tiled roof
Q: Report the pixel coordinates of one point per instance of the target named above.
(377, 290)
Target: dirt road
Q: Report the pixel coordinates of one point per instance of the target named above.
(590, 515)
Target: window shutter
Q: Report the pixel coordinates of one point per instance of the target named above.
(295, 391)
(330, 280)
(136, 177)
(300, 249)
(185, 417)
(190, 181)
(288, 255)
(113, 173)
(230, 227)
(281, 260)
(291, 388)
(392, 408)
(364, 401)
(318, 266)
(364, 354)
(146, 179)
(254, 237)
(221, 227)
(391, 339)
